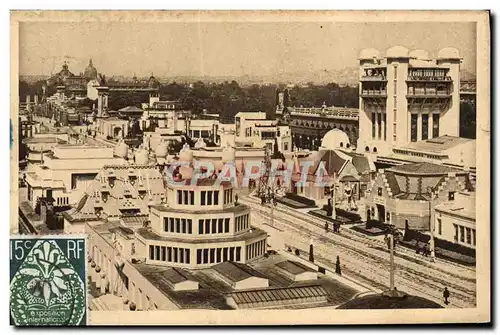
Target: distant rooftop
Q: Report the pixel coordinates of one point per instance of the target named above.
(236, 271)
(437, 144)
(425, 168)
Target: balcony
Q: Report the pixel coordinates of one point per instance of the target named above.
(442, 79)
(374, 94)
(373, 78)
(428, 94)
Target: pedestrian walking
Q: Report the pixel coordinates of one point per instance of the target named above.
(417, 247)
(338, 270)
(446, 295)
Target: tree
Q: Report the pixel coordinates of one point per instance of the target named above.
(311, 253)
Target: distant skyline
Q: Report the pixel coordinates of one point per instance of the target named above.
(267, 49)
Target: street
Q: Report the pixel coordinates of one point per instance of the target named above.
(366, 259)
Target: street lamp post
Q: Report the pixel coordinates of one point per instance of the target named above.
(432, 226)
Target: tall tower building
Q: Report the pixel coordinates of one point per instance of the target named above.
(407, 97)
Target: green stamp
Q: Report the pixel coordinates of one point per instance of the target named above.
(48, 281)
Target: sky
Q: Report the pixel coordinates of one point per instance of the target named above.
(226, 49)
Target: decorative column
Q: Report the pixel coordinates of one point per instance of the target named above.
(430, 124)
(376, 125)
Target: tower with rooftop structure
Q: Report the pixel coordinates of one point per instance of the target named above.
(406, 97)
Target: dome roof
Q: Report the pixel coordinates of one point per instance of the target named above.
(368, 54)
(419, 54)
(153, 82)
(90, 71)
(121, 149)
(200, 143)
(397, 52)
(448, 53)
(383, 301)
(141, 157)
(335, 139)
(162, 149)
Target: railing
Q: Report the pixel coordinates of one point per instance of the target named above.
(373, 78)
(331, 112)
(429, 78)
(375, 93)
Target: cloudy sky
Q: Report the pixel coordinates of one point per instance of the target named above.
(226, 49)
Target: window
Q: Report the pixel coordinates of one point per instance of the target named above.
(151, 252)
(379, 123)
(384, 118)
(226, 225)
(435, 125)
(165, 224)
(169, 254)
(285, 146)
(473, 237)
(439, 227)
(175, 255)
(200, 227)
(367, 149)
(171, 224)
(221, 223)
(177, 225)
(207, 226)
(375, 149)
(209, 199)
(425, 126)
(231, 254)
(212, 255)
(191, 197)
(379, 191)
(469, 235)
(188, 256)
(414, 120)
(179, 197)
(185, 197)
(203, 196)
(374, 121)
(190, 226)
(451, 196)
(214, 226)
(157, 252)
(238, 254)
(198, 256)
(205, 256)
(184, 224)
(456, 232)
(219, 254)
(216, 197)
(462, 234)
(163, 254)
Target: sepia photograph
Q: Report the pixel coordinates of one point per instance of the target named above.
(250, 167)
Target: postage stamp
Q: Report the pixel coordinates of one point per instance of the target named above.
(48, 281)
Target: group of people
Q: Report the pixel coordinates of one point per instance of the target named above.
(336, 227)
(425, 249)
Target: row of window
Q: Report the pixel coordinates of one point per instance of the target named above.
(185, 197)
(242, 222)
(217, 255)
(62, 201)
(178, 225)
(213, 226)
(209, 198)
(425, 126)
(256, 249)
(377, 119)
(464, 234)
(228, 196)
(170, 254)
